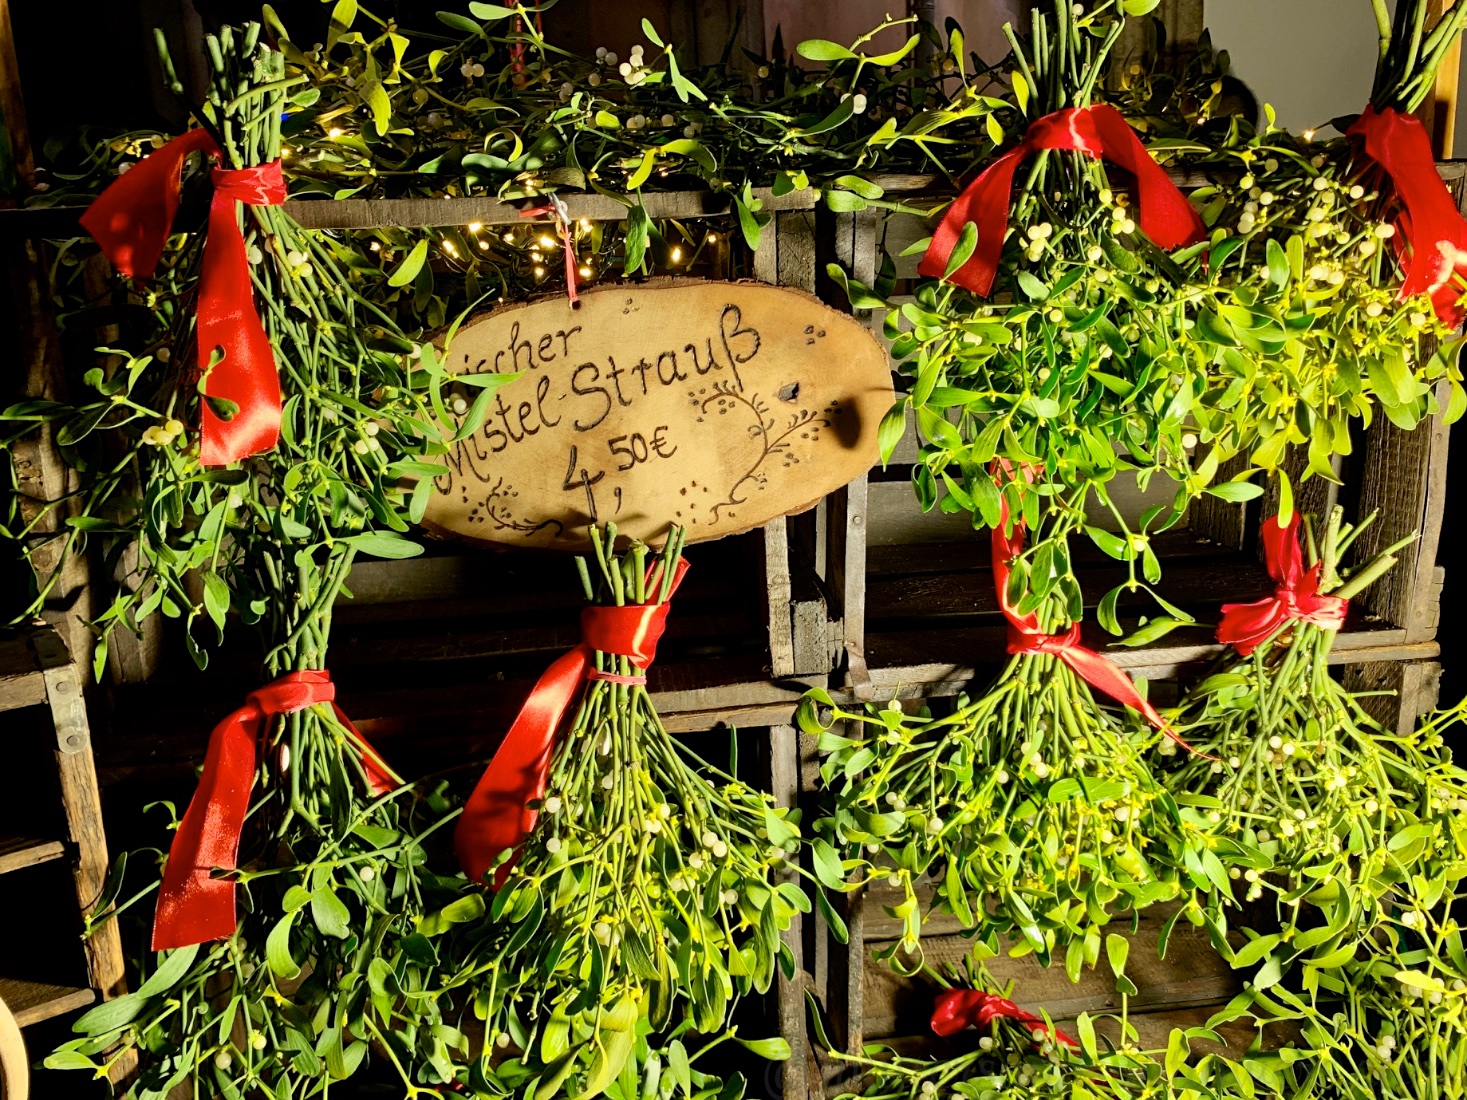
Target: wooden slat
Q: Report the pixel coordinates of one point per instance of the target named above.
(12, 103)
(32, 1002)
(82, 802)
(1405, 478)
(1162, 662)
(784, 769)
(777, 577)
(61, 221)
(337, 214)
(162, 728)
(1439, 112)
(18, 852)
(21, 682)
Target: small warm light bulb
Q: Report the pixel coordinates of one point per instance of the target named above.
(335, 131)
(712, 238)
(539, 273)
(677, 254)
(509, 238)
(586, 223)
(585, 272)
(376, 246)
(448, 247)
(474, 227)
(535, 255)
(285, 150)
(1308, 135)
(484, 244)
(547, 242)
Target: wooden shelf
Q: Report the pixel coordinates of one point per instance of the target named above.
(32, 1002)
(933, 623)
(17, 852)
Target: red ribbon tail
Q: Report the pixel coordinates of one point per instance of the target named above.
(1245, 626)
(1106, 677)
(1434, 227)
(132, 219)
(380, 778)
(193, 905)
(227, 319)
(497, 816)
(567, 242)
(957, 1009)
(1163, 212)
(985, 203)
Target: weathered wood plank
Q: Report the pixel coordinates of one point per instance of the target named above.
(984, 654)
(1404, 476)
(82, 803)
(1217, 520)
(18, 852)
(32, 1002)
(1416, 686)
(777, 577)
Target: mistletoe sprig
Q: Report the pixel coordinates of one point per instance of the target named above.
(652, 893)
(1079, 374)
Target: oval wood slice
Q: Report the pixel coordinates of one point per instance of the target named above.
(714, 405)
(15, 1067)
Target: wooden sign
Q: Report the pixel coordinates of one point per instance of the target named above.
(718, 406)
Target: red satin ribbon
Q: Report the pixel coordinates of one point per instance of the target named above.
(1431, 228)
(957, 1009)
(1099, 131)
(498, 816)
(1025, 636)
(1245, 626)
(132, 219)
(193, 905)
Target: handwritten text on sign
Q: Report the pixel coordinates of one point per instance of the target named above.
(718, 406)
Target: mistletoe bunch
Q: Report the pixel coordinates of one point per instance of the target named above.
(652, 891)
(1310, 788)
(1033, 808)
(1310, 313)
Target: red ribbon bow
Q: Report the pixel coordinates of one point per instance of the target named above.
(1431, 228)
(498, 816)
(193, 905)
(132, 219)
(1245, 626)
(957, 1009)
(1099, 131)
(1025, 636)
